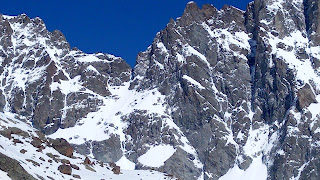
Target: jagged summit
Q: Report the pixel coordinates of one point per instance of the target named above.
(219, 94)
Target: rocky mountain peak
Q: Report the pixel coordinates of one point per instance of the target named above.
(221, 93)
(47, 66)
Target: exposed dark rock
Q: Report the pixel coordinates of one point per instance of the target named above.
(76, 176)
(305, 97)
(36, 142)
(116, 170)
(180, 166)
(2, 101)
(62, 146)
(15, 141)
(75, 166)
(7, 132)
(23, 151)
(34, 163)
(37, 100)
(14, 169)
(108, 150)
(229, 79)
(87, 161)
(65, 169)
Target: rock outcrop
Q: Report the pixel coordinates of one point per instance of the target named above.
(218, 91)
(50, 83)
(13, 168)
(62, 146)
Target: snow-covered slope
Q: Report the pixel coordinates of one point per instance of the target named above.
(219, 94)
(42, 160)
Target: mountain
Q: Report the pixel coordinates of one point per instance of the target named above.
(219, 94)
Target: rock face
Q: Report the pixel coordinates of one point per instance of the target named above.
(217, 92)
(62, 146)
(13, 168)
(65, 169)
(305, 97)
(236, 84)
(47, 82)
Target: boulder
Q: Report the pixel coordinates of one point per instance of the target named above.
(65, 169)
(87, 161)
(36, 142)
(13, 168)
(62, 146)
(305, 97)
(75, 166)
(116, 170)
(76, 176)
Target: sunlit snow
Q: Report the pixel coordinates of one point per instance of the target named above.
(256, 171)
(157, 155)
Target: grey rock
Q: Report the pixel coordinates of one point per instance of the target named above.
(14, 169)
(305, 97)
(107, 151)
(179, 166)
(242, 85)
(62, 146)
(2, 101)
(41, 67)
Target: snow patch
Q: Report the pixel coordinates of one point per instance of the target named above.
(189, 51)
(180, 58)
(274, 6)
(256, 171)
(122, 102)
(314, 108)
(257, 141)
(303, 67)
(4, 176)
(68, 86)
(157, 155)
(192, 81)
(125, 163)
(161, 46)
(91, 68)
(89, 58)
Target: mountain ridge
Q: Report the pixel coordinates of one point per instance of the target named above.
(227, 93)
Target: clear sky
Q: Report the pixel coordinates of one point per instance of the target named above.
(119, 27)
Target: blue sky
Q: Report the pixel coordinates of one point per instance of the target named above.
(119, 27)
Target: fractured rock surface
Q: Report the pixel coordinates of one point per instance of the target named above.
(218, 91)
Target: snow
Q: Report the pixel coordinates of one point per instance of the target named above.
(185, 142)
(67, 86)
(274, 6)
(125, 163)
(46, 168)
(91, 68)
(162, 48)
(303, 67)
(88, 58)
(123, 101)
(96, 126)
(192, 81)
(300, 171)
(157, 155)
(257, 141)
(159, 64)
(256, 171)
(180, 58)
(314, 108)
(189, 51)
(8, 17)
(4, 176)
(225, 39)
